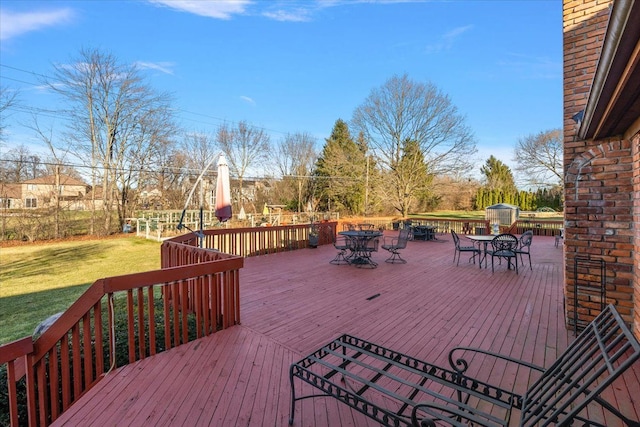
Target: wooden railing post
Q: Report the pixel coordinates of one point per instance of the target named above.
(16, 356)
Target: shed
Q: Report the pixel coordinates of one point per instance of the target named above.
(502, 213)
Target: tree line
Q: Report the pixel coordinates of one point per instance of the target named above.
(500, 188)
(406, 149)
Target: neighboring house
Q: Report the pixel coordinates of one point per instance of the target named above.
(602, 150)
(47, 191)
(10, 196)
(151, 198)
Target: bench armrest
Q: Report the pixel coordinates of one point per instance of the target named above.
(461, 365)
(444, 414)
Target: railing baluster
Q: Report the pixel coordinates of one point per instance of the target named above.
(54, 381)
(130, 327)
(152, 321)
(65, 377)
(41, 391)
(166, 294)
(99, 347)
(76, 361)
(87, 350)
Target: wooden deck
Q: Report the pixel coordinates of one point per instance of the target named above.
(294, 302)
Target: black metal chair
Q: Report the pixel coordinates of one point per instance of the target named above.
(459, 249)
(368, 247)
(524, 246)
(559, 237)
(366, 226)
(395, 245)
(343, 244)
(504, 246)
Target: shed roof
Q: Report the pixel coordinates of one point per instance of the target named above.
(502, 206)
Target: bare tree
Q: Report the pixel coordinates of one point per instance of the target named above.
(540, 158)
(295, 157)
(404, 111)
(170, 176)
(245, 146)
(199, 149)
(8, 99)
(116, 123)
(55, 165)
(20, 164)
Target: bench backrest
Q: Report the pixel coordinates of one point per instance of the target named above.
(601, 353)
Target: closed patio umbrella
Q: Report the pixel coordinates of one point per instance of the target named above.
(223, 193)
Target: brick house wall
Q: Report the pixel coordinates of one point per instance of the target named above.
(602, 180)
(635, 153)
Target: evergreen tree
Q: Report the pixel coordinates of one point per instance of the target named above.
(340, 172)
(498, 175)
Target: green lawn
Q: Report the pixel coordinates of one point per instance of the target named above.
(39, 280)
(451, 215)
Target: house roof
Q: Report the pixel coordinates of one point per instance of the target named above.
(10, 191)
(51, 180)
(614, 100)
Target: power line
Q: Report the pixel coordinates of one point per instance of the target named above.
(176, 170)
(49, 78)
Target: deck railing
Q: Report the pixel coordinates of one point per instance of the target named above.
(195, 294)
(460, 226)
(254, 241)
(540, 227)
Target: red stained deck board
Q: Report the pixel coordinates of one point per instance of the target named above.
(294, 302)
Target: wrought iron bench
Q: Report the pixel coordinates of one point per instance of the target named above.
(395, 389)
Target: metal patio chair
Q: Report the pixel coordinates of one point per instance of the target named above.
(368, 247)
(395, 245)
(343, 244)
(524, 246)
(504, 246)
(559, 237)
(459, 249)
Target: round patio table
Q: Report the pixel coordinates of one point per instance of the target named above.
(361, 254)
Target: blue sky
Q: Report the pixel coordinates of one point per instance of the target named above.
(299, 65)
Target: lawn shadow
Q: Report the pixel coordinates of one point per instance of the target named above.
(41, 261)
(20, 314)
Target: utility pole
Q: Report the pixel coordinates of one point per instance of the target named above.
(366, 188)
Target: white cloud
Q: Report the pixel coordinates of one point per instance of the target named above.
(164, 67)
(220, 9)
(448, 39)
(248, 100)
(532, 66)
(298, 15)
(13, 24)
(282, 10)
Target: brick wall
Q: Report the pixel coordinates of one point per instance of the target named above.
(599, 179)
(635, 152)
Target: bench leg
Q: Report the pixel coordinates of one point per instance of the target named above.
(293, 397)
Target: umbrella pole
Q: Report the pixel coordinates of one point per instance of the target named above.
(201, 234)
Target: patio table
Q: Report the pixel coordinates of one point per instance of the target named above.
(360, 256)
(424, 232)
(481, 239)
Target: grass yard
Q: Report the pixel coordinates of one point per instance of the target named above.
(450, 215)
(39, 280)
